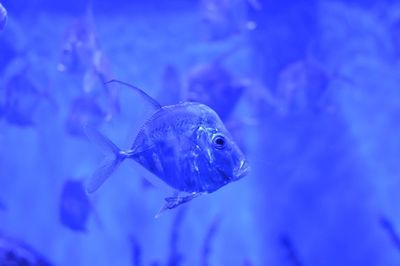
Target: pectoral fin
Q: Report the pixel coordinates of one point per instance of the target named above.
(175, 200)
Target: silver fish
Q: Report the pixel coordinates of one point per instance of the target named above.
(186, 145)
(3, 17)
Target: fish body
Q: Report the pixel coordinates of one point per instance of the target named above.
(178, 145)
(74, 206)
(3, 17)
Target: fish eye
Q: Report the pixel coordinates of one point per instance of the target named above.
(219, 141)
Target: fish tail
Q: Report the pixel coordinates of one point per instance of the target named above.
(114, 157)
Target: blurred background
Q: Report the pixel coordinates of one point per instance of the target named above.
(309, 90)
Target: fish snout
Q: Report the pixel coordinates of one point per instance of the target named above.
(242, 170)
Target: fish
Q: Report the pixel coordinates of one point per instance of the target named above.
(303, 85)
(79, 44)
(22, 99)
(223, 19)
(74, 205)
(186, 145)
(81, 55)
(3, 17)
(214, 85)
(17, 252)
(83, 111)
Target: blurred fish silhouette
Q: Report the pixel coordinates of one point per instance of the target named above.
(75, 207)
(22, 99)
(303, 85)
(186, 145)
(83, 111)
(225, 18)
(3, 17)
(82, 55)
(79, 44)
(214, 86)
(15, 252)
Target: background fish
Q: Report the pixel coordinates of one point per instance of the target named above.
(223, 19)
(82, 56)
(79, 44)
(22, 99)
(83, 111)
(75, 207)
(214, 85)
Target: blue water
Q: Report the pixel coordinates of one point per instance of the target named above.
(309, 91)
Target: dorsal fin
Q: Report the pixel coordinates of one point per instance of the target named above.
(153, 102)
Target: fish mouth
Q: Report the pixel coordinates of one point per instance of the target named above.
(242, 170)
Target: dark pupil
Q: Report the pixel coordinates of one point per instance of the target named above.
(220, 141)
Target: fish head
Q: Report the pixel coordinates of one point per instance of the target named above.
(226, 162)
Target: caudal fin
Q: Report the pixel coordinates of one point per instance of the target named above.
(114, 157)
